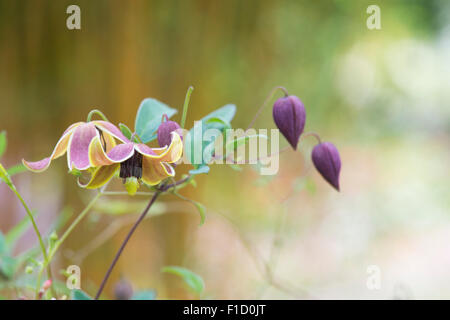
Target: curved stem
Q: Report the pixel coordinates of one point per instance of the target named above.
(124, 243)
(269, 97)
(98, 112)
(66, 234)
(186, 105)
(41, 242)
(313, 134)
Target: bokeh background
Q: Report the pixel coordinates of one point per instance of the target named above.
(381, 96)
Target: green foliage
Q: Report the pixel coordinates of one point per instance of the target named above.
(200, 207)
(219, 119)
(149, 118)
(199, 170)
(144, 295)
(194, 281)
(3, 143)
(18, 168)
(78, 294)
(125, 130)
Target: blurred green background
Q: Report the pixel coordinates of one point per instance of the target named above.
(381, 96)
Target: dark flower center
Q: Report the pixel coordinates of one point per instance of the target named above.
(132, 167)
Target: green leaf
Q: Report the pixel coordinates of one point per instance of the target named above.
(78, 294)
(225, 113)
(194, 281)
(200, 170)
(144, 295)
(149, 118)
(201, 210)
(220, 120)
(7, 266)
(3, 143)
(16, 169)
(125, 130)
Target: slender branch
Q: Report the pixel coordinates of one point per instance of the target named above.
(269, 97)
(124, 243)
(66, 234)
(41, 242)
(312, 134)
(7, 179)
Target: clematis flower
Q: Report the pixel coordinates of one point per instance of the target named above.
(134, 161)
(327, 161)
(289, 115)
(77, 140)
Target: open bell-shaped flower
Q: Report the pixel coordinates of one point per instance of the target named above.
(77, 141)
(327, 161)
(135, 161)
(289, 115)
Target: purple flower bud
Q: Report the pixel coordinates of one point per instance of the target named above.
(123, 290)
(289, 115)
(164, 130)
(327, 161)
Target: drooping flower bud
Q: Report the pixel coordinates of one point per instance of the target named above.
(164, 130)
(327, 161)
(289, 115)
(123, 290)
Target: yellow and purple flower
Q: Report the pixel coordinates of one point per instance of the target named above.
(136, 161)
(77, 141)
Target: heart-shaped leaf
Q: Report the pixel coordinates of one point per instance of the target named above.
(149, 118)
(198, 151)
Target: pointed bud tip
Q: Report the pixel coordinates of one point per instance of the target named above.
(327, 161)
(289, 116)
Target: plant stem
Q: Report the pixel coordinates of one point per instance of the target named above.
(7, 179)
(269, 97)
(186, 105)
(98, 112)
(313, 134)
(41, 242)
(124, 243)
(65, 235)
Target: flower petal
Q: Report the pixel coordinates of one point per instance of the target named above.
(121, 152)
(78, 152)
(169, 154)
(97, 155)
(100, 176)
(111, 129)
(153, 171)
(60, 149)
